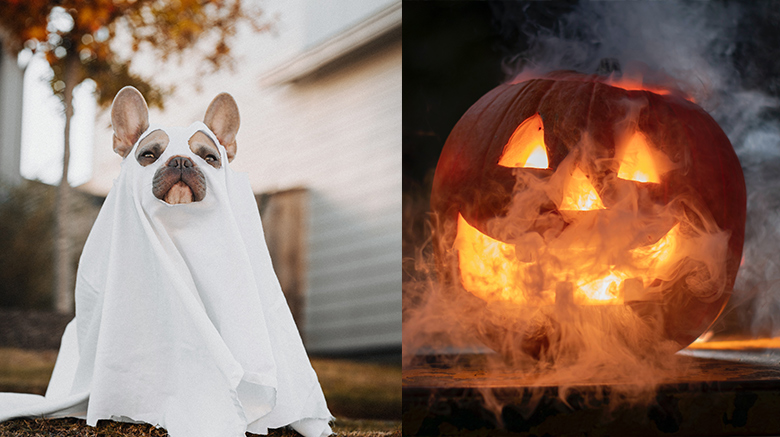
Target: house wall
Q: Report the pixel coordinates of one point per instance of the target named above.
(338, 134)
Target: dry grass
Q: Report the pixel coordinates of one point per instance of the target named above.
(360, 390)
(106, 428)
(25, 371)
(365, 398)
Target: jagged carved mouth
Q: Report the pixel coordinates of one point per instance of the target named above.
(493, 270)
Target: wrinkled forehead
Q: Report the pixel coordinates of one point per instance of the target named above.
(178, 139)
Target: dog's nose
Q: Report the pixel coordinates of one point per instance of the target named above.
(180, 162)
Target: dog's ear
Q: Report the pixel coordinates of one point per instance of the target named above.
(222, 118)
(130, 119)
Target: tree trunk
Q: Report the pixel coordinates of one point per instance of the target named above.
(63, 265)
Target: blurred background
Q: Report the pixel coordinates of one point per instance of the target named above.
(318, 85)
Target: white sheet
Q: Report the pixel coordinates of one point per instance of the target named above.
(180, 319)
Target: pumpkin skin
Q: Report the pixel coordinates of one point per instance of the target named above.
(707, 173)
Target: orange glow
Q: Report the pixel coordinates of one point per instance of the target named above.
(637, 163)
(490, 270)
(488, 267)
(748, 344)
(526, 148)
(636, 85)
(659, 257)
(629, 84)
(579, 194)
(602, 289)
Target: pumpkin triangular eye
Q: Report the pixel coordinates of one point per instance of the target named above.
(637, 163)
(579, 194)
(526, 148)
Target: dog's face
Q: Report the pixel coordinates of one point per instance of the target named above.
(178, 178)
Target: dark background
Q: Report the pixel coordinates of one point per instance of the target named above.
(453, 53)
(451, 57)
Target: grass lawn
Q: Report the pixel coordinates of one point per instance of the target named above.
(365, 398)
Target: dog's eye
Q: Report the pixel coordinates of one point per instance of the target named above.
(147, 154)
(211, 158)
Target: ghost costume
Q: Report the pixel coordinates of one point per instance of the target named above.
(180, 319)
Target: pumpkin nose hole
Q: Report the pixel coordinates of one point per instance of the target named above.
(579, 194)
(637, 163)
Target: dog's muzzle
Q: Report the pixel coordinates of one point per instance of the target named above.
(179, 181)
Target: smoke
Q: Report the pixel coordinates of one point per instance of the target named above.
(689, 46)
(684, 41)
(720, 54)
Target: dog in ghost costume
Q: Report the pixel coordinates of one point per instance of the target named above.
(180, 320)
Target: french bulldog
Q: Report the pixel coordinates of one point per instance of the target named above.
(179, 179)
(180, 319)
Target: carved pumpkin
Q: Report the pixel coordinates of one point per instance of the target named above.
(570, 188)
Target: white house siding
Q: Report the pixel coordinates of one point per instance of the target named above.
(339, 135)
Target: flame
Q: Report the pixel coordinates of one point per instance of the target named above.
(579, 194)
(603, 289)
(637, 163)
(661, 255)
(630, 84)
(526, 148)
(638, 84)
(488, 267)
(537, 158)
(491, 270)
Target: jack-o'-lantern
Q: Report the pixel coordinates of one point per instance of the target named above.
(574, 188)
